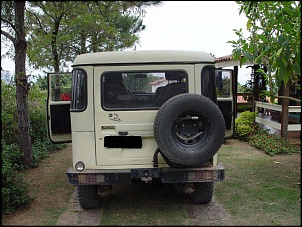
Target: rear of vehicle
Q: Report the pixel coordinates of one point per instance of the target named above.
(149, 116)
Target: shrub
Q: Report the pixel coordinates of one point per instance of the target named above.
(271, 143)
(245, 125)
(14, 190)
(244, 108)
(11, 154)
(42, 148)
(9, 113)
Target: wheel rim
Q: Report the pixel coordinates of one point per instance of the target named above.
(189, 129)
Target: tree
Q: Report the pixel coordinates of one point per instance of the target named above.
(274, 42)
(62, 30)
(12, 18)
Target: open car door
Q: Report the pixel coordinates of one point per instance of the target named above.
(226, 97)
(58, 107)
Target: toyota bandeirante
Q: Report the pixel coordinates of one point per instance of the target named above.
(148, 116)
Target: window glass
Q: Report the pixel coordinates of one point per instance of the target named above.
(223, 84)
(79, 90)
(61, 87)
(141, 90)
(208, 83)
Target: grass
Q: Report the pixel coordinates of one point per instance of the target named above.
(139, 204)
(49, 191)
(260, 189)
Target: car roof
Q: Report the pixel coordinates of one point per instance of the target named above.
(143, 57)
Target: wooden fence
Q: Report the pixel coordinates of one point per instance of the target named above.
(295, 111)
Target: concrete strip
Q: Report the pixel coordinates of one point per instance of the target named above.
(76, 216)
(211, 214)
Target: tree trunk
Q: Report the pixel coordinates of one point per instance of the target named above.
(284, 114)
(22, 85)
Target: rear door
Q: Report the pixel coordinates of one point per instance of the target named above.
(58, 107)
(124, 121)
(226, 96)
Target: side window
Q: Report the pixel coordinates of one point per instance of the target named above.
(208, 88)
(61, 87)
(79, 90)
(141, 90)
(223, 84)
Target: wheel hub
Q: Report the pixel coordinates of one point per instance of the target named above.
(189, 129)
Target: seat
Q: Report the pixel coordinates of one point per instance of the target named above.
(157, 94)
(171, 89)
(115, 91)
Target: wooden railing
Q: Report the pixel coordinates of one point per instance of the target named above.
(275, 107)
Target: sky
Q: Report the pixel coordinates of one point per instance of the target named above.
(188, 25)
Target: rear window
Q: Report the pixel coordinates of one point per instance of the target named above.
(208, 86)
(79, 90)
(141, 90)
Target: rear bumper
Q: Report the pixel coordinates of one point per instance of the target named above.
(125, 176)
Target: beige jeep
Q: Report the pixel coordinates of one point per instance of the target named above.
(158, 117)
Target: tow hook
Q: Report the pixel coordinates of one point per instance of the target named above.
(188, 188)
(146, 178)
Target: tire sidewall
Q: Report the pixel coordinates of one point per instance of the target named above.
(214, 128)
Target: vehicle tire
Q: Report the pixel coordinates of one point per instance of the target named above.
(203, 192)
(189, 129)
(88, 196)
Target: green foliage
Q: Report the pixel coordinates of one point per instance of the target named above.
(224, 88)
(245, 125)
(272, 144)
(42, 148)
(11, 154)
(9, 113)
(273, 41)
(41, 82)
(14, 190)
(249, 131)
(86, 27)
(244, 108)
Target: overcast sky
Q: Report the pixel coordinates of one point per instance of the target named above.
(194, 25)
(189, 25)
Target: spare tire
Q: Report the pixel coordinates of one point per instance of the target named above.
(189, 129)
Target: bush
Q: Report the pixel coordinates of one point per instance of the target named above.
(11, 154)
(245, 125)
(14, 190)
(9, 113)
(249, 131)
(271, 143)
(41, 150)
(244, 108)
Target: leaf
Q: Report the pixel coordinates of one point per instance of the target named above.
(286, 28)
(259, 57)
(267, 48)
(279, 51)
(263, 38)
(249, 24)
